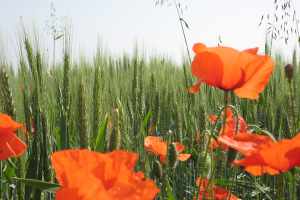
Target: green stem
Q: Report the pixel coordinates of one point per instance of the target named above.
(226, 100)
(293, 131)
(292, 107)
(226, 103)
(1, 175)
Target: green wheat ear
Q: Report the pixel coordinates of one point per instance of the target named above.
(96, 103)
(64, 101)
(6, 94)
(30, 57)
(115, 135)
(82, 117)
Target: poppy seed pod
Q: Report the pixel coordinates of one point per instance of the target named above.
(289, 71)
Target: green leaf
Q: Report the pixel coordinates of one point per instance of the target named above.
(100, 140)
(45, 186)
(11, 163)
(170, 195)
(146, 120)
(9, 172)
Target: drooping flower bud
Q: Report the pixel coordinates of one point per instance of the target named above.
(289, 72)
(172, 156)
(157, 169)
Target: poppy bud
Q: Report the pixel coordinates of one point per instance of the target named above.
(289, 71)
(231, 155)
(157, 169)
(172, 156)
(198, 137)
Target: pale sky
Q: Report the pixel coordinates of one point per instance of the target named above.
(120, 24)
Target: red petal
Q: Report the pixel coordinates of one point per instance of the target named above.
(11, 146)
(252, 50)
(183, 156)
(198, 47)
(195, 88)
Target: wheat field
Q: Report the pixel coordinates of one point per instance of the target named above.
(109, 103)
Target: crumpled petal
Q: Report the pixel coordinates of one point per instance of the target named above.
(273, 158)
(86, 175)
(218, 193)
(158, 147)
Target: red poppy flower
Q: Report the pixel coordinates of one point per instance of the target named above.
(158, 147)
(215, 192)
(272, 157)
(229, 129)
(86, 175)
(10, 144)
(243, 72)
(245, 143)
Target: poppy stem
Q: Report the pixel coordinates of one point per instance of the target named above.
(226, 103)
(292, 107)
(280, 187)
(293, 132)
(1, 175)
